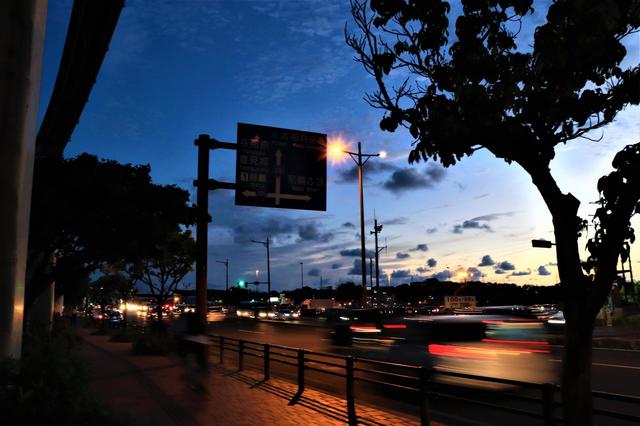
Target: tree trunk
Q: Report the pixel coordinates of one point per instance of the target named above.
(576, 371)
(577, 292)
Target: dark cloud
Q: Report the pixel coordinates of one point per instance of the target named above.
(273, 226)
(400, 255)
(311, 232)
(470, 224)
(396, 221)
(442, 275)
(336, 265)
(350, 174)
(506, 266)
(499, 271)
(422, 270)
(486, 261)
(348, 225)
(432, 262)
(542, 270)
(552, 264)
(400, 274)
(520, 273)
(492, 216)
(355, 253)
(473, 274)
(357, 268)
(409, 178)
(475, 223)
(432, 230)
(420, 247)
(315, 272)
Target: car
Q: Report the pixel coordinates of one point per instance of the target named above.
(286, 312)
(114, 317)
(215, 313)
(370, 325)
(255, 310)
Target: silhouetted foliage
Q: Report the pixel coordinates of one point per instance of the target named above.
(49, 385)
(163, 267)
(488, 88)
(90, 212)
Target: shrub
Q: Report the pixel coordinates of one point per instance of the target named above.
(48, 385)
(153, 342)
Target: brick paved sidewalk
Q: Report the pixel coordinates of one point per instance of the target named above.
(153, 390)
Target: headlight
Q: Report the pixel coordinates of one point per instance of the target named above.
(271, 314)
(295, 315)
(262, 314)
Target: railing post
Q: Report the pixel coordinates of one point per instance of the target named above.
(298, 394)
(425, 417)
(267, 354)
(548, 404)
(240, 354)
(221, 349)
(351, 403)
(300, 371)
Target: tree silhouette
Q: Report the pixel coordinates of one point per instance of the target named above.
(488, 88)
(92, 212)
(163, 268)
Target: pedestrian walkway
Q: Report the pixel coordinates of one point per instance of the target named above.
(152, 390)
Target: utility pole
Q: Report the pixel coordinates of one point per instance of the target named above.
(266, 244)
(357, 157)
(376, 230)
(301, 275)
(226, 267)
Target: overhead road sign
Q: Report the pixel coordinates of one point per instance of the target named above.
(281, 168)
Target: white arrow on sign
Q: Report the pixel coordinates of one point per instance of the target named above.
(279, 196)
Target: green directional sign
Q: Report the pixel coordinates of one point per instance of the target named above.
(281, 168)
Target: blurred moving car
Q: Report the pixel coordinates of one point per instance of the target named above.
(493, 346)
(367, 325)
(286, 312)
(215, 313)
(255, 310)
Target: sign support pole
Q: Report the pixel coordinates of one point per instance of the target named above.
(202, 230)
(203, 185)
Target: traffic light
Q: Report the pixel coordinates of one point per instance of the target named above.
(242, 284)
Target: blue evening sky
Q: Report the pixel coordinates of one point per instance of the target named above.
(176, 69)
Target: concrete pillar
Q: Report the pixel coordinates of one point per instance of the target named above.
(22, 28)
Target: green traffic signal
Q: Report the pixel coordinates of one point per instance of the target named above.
(241, 284)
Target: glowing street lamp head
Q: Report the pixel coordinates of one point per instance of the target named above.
(383, 154)
(336, 148)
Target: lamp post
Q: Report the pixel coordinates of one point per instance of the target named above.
(301, 275)
(361, 159)
(266, 244)
(226, 267)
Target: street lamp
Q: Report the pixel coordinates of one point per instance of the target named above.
(226, 267)
(301, 275)
(542, 244)
(266, 244)
(358, 157)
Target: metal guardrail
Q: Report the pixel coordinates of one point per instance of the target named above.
(419, 380)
